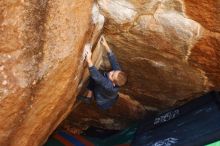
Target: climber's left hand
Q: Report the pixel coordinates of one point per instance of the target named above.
(89, 57)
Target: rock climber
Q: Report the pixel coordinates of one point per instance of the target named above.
(104, 87)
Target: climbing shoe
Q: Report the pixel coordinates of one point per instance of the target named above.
(84, 99)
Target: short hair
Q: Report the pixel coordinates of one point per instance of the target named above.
(121, 78)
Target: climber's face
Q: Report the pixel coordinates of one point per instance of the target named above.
(113, 75)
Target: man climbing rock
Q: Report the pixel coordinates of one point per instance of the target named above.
(104, 87)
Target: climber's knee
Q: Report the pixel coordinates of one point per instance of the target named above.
(89, 94)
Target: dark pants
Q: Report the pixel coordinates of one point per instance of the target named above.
(91, 84)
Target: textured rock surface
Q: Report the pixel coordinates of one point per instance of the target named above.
(123, 113)
(170, 50)
(41, 47)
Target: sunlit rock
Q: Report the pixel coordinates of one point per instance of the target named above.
(169, 48)
(41, 63)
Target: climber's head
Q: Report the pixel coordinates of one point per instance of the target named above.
(118, 77)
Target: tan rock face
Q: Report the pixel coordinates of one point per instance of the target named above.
(41, 63)
(123, 113)
(209, 18)
(206, 52)
(170, 50)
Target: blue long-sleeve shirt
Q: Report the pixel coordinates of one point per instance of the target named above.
(104, 91)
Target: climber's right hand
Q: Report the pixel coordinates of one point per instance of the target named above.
(105, 44)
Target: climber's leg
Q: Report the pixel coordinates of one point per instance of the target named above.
(87, 98)
(89, 94)
(91, 86)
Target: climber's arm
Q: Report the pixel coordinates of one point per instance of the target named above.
(112, 59)
(100, 79)
(96, 75)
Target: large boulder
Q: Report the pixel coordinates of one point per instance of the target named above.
(41, 64)
(170, 50)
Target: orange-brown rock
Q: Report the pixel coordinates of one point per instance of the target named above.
(207, 13)
(169, 51)
(169, 48)
(123, 113)
(41, 64)
(206, 52)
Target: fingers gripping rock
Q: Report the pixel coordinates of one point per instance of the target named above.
(86, 50)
